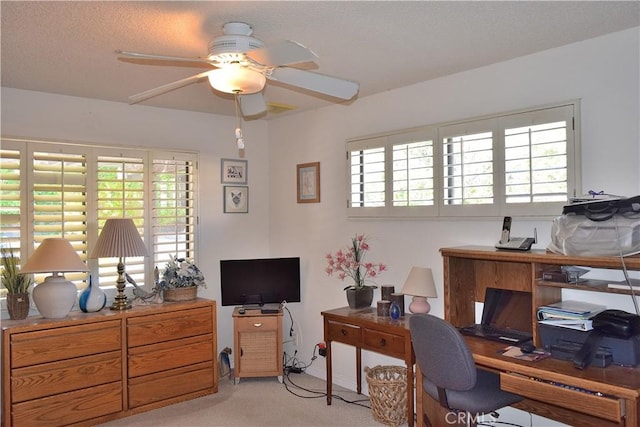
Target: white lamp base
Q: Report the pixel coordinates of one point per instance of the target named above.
(419, 305)
(54, 297)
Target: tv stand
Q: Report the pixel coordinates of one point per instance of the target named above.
(257, 340)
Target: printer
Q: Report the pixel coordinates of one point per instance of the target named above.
(563, 343)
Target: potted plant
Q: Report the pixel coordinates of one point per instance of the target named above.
(16, 284)
(349, 263)
(180, 280)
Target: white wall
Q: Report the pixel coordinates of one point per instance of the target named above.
(602, 72)
(40, 115)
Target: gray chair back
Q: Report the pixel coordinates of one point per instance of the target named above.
(442, 353)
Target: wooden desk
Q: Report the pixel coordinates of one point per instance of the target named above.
(469, 270)
(364, 329)
(613, 401)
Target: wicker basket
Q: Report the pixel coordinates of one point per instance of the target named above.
(181, 294)
(388, 393)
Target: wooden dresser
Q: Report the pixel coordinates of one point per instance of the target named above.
(89, 368)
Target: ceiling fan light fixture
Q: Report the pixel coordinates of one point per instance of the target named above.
(237, 79)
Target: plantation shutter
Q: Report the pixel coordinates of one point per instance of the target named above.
(366, 160)
(537, 156)
(59, 186)
(120, 194)
(413, 170)
(467, 168)
(174, 212)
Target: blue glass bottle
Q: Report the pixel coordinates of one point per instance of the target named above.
(92, 298)
(394, 310)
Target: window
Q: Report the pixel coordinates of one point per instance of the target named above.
(520, 163)
(50, 189)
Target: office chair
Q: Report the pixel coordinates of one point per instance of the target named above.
(449, 374)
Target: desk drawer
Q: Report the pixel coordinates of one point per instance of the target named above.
(389, 344)
(598, 406)
(344, 333)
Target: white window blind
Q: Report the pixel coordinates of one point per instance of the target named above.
(538, 151)
(174, 212)
(413, 174)
(367, 172)
(11, 202)
(517, 163)
(50, 189)
(59, 185)
(120, 194)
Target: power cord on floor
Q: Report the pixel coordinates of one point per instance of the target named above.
(315, 394)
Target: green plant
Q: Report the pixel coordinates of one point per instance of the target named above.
(12, 280)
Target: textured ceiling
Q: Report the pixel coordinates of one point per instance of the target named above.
(69, 47)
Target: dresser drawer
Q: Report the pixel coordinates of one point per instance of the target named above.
(67, 342)
(253, 324)
(170, 384)
(160, 357)
(58, 377)
(598, 406)
(344, 333)
(69, 408)
(157, 328)
(389, 344)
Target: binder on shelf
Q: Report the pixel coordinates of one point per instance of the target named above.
(569, 309)
(623, 284)
(577, 324)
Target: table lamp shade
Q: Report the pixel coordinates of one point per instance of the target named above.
(421, 286)
(119, 238)
(54, 255)
(55, 296)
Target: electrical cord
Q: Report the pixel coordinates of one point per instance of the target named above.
(315, 394)
(625, 272)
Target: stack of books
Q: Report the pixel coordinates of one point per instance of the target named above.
(569, 314)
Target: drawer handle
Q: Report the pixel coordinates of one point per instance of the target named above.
(343, 332)
(257, 325)
(383, 342)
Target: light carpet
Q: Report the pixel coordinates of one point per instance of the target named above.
(263, 402)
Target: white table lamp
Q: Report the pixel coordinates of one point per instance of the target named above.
(119, 239)
(420, 285)
(54, 297)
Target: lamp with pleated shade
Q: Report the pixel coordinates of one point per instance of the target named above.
(420, 285)
(119, 239)
(54, 297)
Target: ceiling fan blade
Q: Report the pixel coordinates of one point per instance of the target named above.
(160, 57)
(285, 53)
(316, 82)
(253, 104)
(133, 99)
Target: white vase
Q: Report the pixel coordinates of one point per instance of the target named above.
(54, 297)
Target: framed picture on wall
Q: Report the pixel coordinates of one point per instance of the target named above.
(308, 182)
(233, 171)
(236, 199)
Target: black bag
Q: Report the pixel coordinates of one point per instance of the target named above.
(602, 210)
(617, 323)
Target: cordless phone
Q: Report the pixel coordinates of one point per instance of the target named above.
(514, 243)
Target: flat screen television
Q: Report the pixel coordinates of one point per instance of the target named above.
(260, 281)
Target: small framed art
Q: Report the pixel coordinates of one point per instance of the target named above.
(233, 171)
(236, 199)
(308, 182)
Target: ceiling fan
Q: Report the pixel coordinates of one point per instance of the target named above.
(242, 66)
